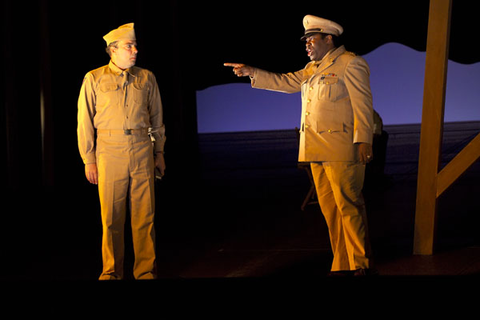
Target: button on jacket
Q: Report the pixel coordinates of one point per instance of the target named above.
(337, 109)
(112, 99)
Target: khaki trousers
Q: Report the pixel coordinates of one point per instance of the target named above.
(125, 176)
(339, 190)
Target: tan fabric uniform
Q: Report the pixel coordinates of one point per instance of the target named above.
(115, 110)
(337, 114)
(339, 186)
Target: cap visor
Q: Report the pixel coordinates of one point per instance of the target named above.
(309, 34)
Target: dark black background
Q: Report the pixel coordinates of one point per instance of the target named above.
(48, 46)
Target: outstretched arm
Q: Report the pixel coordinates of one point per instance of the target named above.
(261, 79)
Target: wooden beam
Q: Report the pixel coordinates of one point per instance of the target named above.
(455, 168)
(432, 125)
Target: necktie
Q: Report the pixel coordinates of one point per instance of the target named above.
(125, 79)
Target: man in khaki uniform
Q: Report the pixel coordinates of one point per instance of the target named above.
(119, 110)
(335, 135)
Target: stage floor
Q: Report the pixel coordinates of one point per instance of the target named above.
(239, 217)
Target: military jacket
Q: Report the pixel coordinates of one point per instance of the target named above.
(112, 99)
(337, 107)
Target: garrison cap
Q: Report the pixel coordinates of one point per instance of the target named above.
(125, 32)
(313, 24)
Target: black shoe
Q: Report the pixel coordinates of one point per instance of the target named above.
(365, 272)
(341, 273)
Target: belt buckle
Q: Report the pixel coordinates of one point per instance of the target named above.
(127, 132)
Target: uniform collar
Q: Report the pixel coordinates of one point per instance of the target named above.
(331, 55)
(113, 67)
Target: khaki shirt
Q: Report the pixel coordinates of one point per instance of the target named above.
(337, 108)
(113, 99)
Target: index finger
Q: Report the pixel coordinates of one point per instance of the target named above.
(234, 65)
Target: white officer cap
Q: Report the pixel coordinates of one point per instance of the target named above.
(313, 24)
(125, 32)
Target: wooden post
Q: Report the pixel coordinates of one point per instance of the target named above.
(432, 125)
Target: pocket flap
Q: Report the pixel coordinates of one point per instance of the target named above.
(108, 87)
(330, 127)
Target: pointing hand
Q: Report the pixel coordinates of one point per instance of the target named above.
(240, 69)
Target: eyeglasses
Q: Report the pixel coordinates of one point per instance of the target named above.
(130, 46)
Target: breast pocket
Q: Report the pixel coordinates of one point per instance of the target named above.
(139, 93)
(331, 89)
(108, 95)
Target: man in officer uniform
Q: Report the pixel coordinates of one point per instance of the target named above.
(335, 136)
(119, 111)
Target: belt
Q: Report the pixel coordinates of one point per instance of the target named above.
(127, 132)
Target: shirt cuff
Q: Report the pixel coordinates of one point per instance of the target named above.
(363, 137)
(89, 158)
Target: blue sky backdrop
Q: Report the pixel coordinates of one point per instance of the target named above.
(397, 77)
